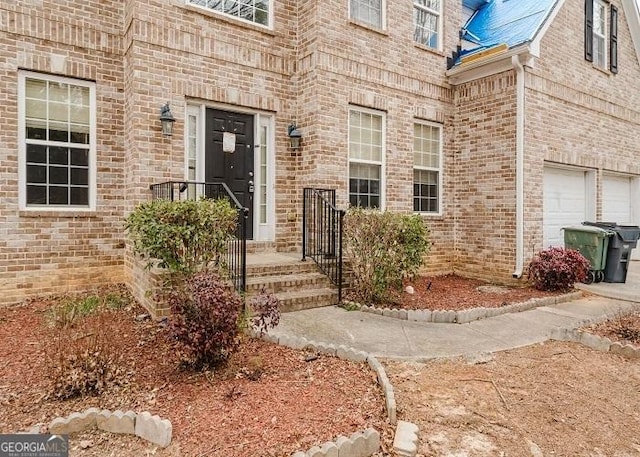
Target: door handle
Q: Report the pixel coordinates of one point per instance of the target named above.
(251, 187)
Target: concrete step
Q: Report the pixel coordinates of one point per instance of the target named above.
(287, 282)
(275, 269)
(307, 299)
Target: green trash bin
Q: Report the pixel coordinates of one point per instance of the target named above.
(592, 243)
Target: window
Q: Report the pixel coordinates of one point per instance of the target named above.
(427, 20)
(366, 152)
(368, 11)
(57, 142)
(427, 159)
(601, 34)
(256, 11)
(262, 174)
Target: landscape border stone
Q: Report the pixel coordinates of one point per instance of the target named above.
(461, 316)
(595, 342)
(405, 442)
(359, 444)
(144, 425)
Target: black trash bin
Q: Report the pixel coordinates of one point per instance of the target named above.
(625, 238)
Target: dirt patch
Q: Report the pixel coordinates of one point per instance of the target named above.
(453, 293)
(559, 399)
(268, 401)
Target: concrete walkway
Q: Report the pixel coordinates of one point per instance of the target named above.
(400, 339)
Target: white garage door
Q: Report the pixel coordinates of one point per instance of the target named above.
(565, 202)
(616, 199)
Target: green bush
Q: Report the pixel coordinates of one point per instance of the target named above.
(185, 236)
(383, 249)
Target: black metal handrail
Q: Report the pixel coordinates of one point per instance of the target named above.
(237, 246)
(322, 225)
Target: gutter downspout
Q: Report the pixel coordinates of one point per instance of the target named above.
(520, 114)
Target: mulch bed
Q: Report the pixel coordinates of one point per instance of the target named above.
(267, 401)
(452, 293)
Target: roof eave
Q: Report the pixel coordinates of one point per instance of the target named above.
(492, 65)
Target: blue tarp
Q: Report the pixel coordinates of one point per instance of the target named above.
(512, 22)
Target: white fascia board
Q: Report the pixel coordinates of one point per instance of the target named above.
(633, 20)
(535, 44)
(491, 65)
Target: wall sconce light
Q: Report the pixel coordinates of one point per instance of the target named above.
(295, 135)
(167, 120)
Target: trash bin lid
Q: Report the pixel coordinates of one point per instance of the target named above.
(588, 229)
(628, 233)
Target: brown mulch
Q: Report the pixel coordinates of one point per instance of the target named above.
(267, 401)
(623, 329)
(453, 292)
(553, 399)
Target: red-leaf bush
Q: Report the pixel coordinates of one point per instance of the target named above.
(204, 321)
(558, 268)
(265, 312)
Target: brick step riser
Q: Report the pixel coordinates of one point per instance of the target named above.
(275, 287)
(256, 271)
(298, 304)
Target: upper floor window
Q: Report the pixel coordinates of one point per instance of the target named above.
(57, 142)
(256, 11)
(427, 164)
(601, 34)
(427, 19)
(366, 158)
(368, 11)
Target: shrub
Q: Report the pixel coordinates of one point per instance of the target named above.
(383, 249)
(82, 356)
(204, 320)
(184, 236)
(265, 312)
(557, 268)
(71, 308)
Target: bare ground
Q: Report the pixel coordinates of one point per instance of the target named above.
(558, 399)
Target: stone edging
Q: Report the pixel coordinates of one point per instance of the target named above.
(464, 316)
(143, 425)
(405, 443)
(361, 444)
(595, 342)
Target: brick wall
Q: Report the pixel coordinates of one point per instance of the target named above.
(52, 252)
(484, 164)
(342, 64)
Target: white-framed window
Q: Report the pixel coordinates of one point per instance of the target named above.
(427, 20)
(427, 167)
(371, 12)
(193, 165)
(366, 158)
(57, 142)
(600, 33)
(253, 11)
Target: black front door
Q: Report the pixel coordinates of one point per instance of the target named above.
(229, 155)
